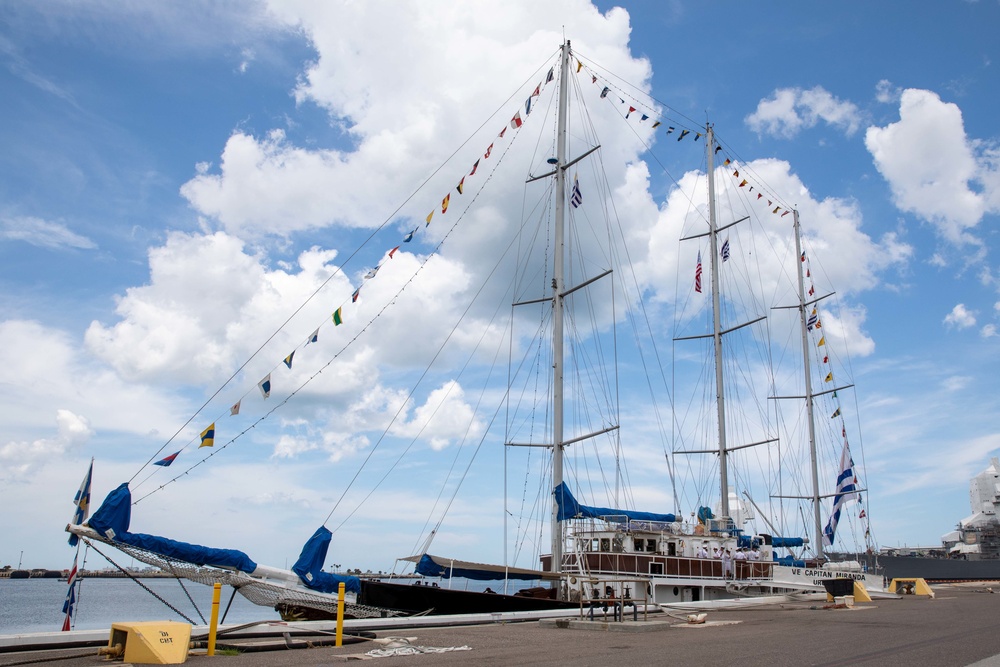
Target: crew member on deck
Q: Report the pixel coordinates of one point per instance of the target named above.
(738, 557)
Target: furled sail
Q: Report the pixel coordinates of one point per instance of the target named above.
(437, 566)
(569, 508)
(112, 521)
(309, 566)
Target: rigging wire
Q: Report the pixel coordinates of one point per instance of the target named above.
(339, 269)
(385, 307)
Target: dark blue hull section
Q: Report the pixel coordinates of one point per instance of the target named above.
(936, 569)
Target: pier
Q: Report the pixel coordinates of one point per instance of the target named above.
(956, 627)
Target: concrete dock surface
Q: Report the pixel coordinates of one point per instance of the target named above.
(960, 626)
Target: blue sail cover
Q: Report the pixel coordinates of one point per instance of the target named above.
(787, 542)
(112, 520)
(309, 566)
(429, 567)
(790, 561)
(569, 508)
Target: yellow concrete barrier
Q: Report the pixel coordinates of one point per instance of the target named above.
(910, 586)
(152, 642)
(861, 593)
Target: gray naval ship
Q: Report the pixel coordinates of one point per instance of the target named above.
(970, 552)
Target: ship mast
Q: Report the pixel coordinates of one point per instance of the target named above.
(718, 332)
(558, 304)
(720, 396)
(803, 316)
(810, 394)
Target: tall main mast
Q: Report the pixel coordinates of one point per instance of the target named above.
(720, 395)
(557, 310)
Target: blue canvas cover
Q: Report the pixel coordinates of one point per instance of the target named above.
(309, 566)
(569, 508)
(112, 521)
(790, 561)
(429, 567)
(779, 542)
(112, 518)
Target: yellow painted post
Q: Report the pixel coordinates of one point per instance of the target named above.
(340, 614)
(213, 624)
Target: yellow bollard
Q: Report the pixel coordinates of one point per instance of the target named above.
(340, 614)
(213, 624)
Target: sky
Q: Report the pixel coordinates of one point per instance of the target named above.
(179, 178)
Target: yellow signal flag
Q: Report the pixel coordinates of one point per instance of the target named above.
(208, 437)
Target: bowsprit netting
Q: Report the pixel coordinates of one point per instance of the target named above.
(259, 591)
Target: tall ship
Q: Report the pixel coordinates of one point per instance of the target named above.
(758, 478)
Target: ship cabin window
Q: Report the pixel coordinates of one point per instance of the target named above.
(618, 546)
(671, 548)
(656, 568)
(605, 544)
(638, 544)
(650, 546)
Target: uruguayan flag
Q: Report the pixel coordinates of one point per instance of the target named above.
(725, 250)
(847, 490)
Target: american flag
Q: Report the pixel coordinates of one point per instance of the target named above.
(697, 274)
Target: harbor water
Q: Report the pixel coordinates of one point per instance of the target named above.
(35, 605)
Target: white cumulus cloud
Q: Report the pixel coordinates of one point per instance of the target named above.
(843, 257)
(790, 110)
(207, 305)
(20, 458)
(932, 166)
(960, 317)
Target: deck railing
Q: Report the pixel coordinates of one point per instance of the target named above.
(646, 564)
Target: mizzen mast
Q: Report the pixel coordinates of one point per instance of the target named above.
(807, 370)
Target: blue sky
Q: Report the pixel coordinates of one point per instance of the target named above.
(177, 178)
